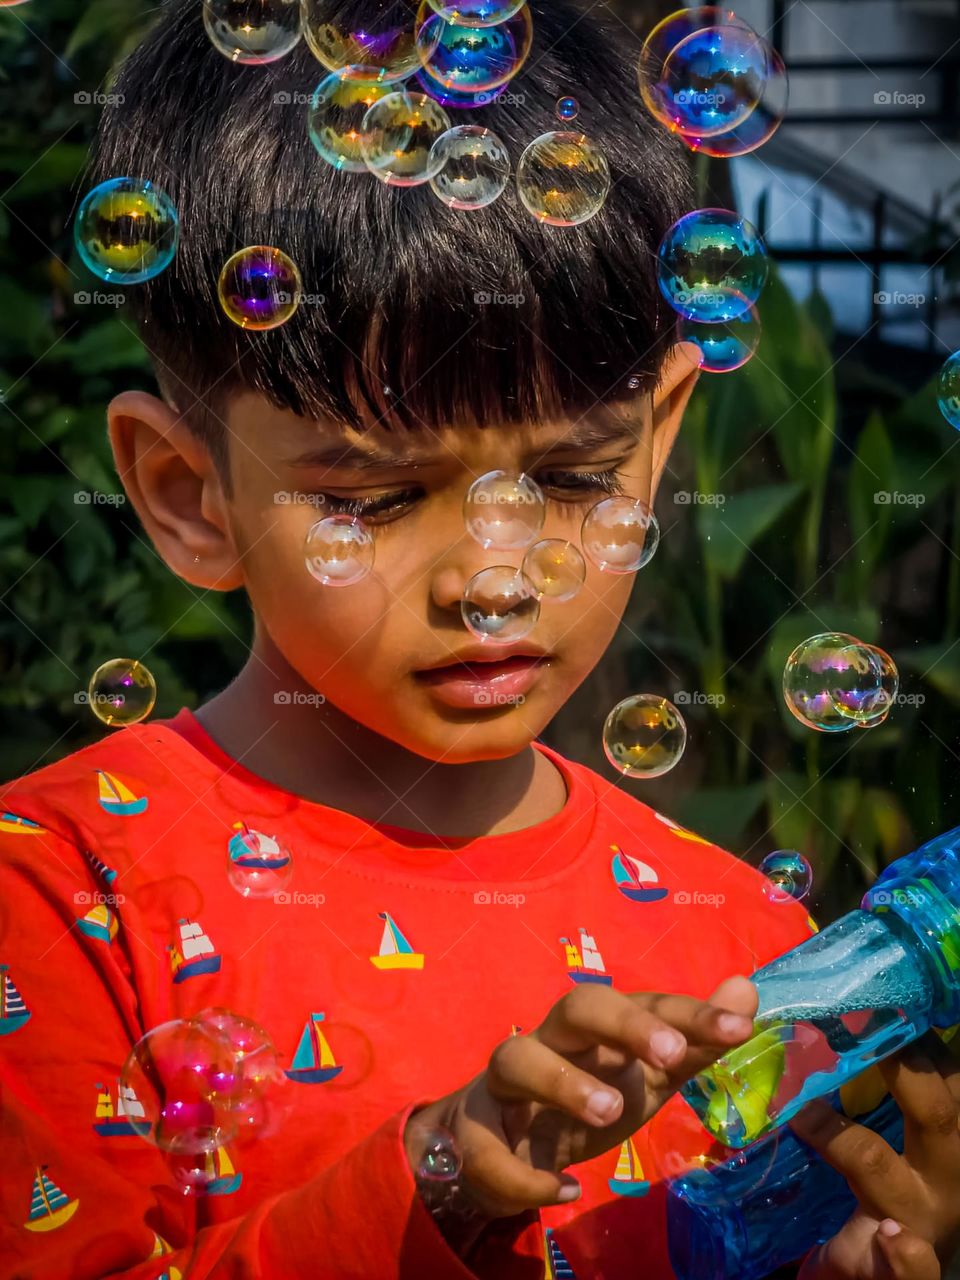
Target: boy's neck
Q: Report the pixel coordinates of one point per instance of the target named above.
(323, 756)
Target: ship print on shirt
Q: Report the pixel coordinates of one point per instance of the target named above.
(395, 951)
(313, 1063)
(192, 953)
(555, 1264)
(160, 1250)
(584, 962)
(11, 824)
(635, 879)
(13, 1012)
(253, 849)
(128, 1117)
(221, 1178)
(105, 873)
(100, 923)
(50, 1208)
(117, 798)
(628, 1179)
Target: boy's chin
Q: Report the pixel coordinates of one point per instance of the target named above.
(464, 737)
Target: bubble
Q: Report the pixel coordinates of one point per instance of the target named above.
(385, 39)
(474, 167)
(620, 535)
(451, 98)
(563, 178)
(195, 1173)
(339, 550)
(398, 134)
(126, 230)
(252, 31)
(834, 682)
(665, 37)
(726, 345)
(948, 390)
(336, 113)
(873, 707)
(567, 109)
(712, 265)
(259, 287)
(504, 509)
(473, 59)
(260, 1100)
(644, 736)
(762, 123)
(440, 1159)
(121, 692)
(788, 876)
(556, 568)
(712, 81)
(477, 13)
(258, 865)
(500, 604)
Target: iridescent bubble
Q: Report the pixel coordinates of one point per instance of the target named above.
(194, 1173)
(788, 876)
(556, 568)
(384, 39)
(260, 1101)
(504, 509)
(948, 390)
(451, 98)
(760, 126)
(398, 134)
(832, 682)
(339, 550)
(258, 864)
(563, 178)
(126, 230)
(337, 111)
(712, 81)
(567, 109)
(712, 265)
(252, 31)
(665, 37)
(726, 345)
(121, 691)
(477, 13)
(440, 1159)
(474, 167)
(620, 535)
(473, 59)
(644, 736)
(500, 604)
(874, 705)
(259, 287)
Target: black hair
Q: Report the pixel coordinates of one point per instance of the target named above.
(398, 270)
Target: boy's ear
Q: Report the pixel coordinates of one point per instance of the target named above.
(679, 375)
(176, 489)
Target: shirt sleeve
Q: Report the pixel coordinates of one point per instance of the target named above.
(74, 1206)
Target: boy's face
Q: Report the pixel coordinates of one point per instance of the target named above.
(368, 647)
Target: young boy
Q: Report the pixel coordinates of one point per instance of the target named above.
(453, 952)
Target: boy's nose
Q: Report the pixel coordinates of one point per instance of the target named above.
(446, 586)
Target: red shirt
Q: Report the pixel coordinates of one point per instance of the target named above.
(421, 955)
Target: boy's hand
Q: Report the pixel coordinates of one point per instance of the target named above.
(919, 1190)
(599, 1066)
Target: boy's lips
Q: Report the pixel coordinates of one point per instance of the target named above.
(471, 681)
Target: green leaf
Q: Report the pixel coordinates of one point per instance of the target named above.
(730, 530)
(109, 344)
(54, 169)
(939, 665)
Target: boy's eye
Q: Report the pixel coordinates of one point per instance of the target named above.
(382, 507)
(579, 484)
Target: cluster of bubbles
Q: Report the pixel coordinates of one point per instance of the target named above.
(948, 390)
(644, 736)
(120, 692)
(788, 876)
(192, 1085)
(834, 682)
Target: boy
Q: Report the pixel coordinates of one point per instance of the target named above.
(453, 953)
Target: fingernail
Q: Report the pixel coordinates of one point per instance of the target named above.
(602, 1104)
(666, 1045)
(889, 1228)
(734, 1024)
(570, 1191)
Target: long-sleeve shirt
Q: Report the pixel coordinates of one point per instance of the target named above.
(385, 967)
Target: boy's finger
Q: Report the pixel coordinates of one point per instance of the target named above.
(524, 1069)
(931, 1113)
(907, 1256)
(503, 1184)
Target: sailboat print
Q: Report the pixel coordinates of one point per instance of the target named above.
(555, 1264)
(100, 923)
(129, 1116)
(106, 874)
(224, 1178)
(395, 951)
(682, 832)
(628, 1179)
(250, 848)
(634, 878)
(313, 1063)
(160, 1250)
(193, 953)
(49, 1207)
(13, 1012)
(585, 963)
(116, 797)
(12, 824)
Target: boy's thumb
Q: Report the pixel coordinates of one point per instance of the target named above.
(737, 994)
(908, 1256)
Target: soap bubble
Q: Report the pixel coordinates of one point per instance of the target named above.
(440, 1160)
(563, 178)
(258, 864)
(500, 604)
(788, 876)
(261, 1100)
(121, 691)
(726, 345)
(339, 550)
(760, 126)
(126, 230)
(385, 39)
(567, 109)
(620, 534)
(556, 568)
(474, 167)
(477, 13)
(252, 31)
(834, 682)
(712, 265)
(948, 390)
(666, 37)
(644, 735)
(712, 80)
(452, 98)
(336, 113)
(504, 509)
(259, 287)
(398, 134)
(871, 705)
(473, 59)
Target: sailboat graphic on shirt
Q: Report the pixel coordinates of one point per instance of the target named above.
(249, 848)
(628, 1179)
(12, 824)
(634, 878)
(128, 1117)
(221, 1178)
(193, 953)
(116, 797)
(555, 1264)
(106, 874)
(100, 923)
(313, 1063)
(49, 1207)
(395, 951)
(160, 1250)
(13, 1012)
(585, 963)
